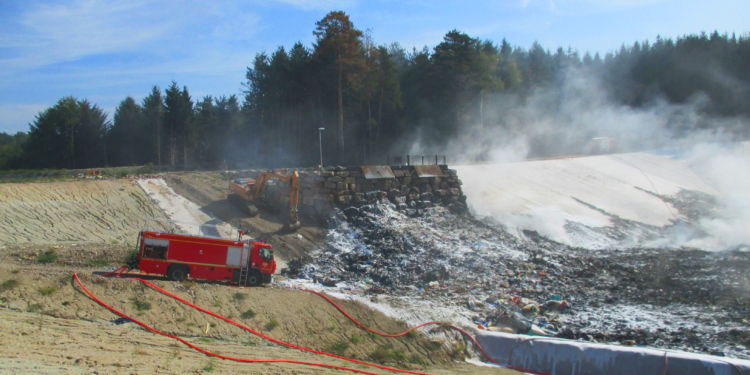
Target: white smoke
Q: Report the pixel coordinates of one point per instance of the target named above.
(563, 120)
(727, 169)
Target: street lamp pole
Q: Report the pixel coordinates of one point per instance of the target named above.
(320, 139)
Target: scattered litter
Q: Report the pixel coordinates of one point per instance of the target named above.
(531, 285)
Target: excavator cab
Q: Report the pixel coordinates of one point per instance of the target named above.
(245, 182)
(268, 189)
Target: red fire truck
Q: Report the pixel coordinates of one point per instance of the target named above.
(179, 255)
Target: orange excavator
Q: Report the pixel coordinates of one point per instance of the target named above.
(267, 190)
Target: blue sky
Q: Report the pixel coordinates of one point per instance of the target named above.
(106, 50)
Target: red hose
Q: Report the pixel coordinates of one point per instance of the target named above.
(401, 334)
(270, 338)
(295, 346)
(121, 269)
(245, 328)
(424, 324)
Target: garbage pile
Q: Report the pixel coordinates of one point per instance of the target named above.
(679, 299)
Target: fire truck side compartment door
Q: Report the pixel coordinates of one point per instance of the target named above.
(155, 242)
(156, 249)
(234, 256)
(245, 255)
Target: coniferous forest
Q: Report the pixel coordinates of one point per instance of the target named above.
(373, 98)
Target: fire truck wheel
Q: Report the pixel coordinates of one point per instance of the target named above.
(255, 278)
(177, 273)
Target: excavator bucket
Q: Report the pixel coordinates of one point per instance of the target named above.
(291, 227)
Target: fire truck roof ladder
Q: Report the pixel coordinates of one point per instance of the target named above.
(211, 229)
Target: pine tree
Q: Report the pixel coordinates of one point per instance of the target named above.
(127, 132)
(153, 123)
(338, 45)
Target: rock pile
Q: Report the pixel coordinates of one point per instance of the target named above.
(321, 192)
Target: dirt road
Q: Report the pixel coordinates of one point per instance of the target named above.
(209, 191)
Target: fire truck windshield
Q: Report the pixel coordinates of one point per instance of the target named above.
(266, 254)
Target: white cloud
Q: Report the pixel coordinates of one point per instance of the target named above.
(47, 34)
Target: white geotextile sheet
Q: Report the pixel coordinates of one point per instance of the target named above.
(613, 183)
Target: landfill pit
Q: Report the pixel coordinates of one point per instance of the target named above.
(683, 299)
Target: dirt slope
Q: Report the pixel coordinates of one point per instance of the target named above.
(51, 326)
(209, 191)
(75, 211)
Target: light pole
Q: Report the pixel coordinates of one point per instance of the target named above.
(320, 139)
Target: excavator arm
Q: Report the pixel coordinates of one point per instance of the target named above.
(282, 175)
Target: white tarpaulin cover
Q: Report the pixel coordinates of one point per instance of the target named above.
(567, 357)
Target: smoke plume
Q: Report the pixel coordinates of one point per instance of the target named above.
(562, 120)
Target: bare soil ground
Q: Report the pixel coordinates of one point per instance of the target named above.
(48, 325)
(73, 211)
(209, 191)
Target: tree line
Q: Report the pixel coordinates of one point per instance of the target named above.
(368, 97)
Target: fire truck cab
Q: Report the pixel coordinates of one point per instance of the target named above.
(178, 256)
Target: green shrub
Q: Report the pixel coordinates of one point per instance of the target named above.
(338, 348)
(249, 314)
(147, 169)
(417, 359)
(239, 297)
(380, 354)
(140, 305)
(97, 262)
(399, 356)
(35, 308)
(273, 323)
(432, 345)
(47, 290)
(386, 353)
(355, 339)
(130, 255)
(48, 257)
(8, 285)
(188, 284)
(209, 367)
(458, 352)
